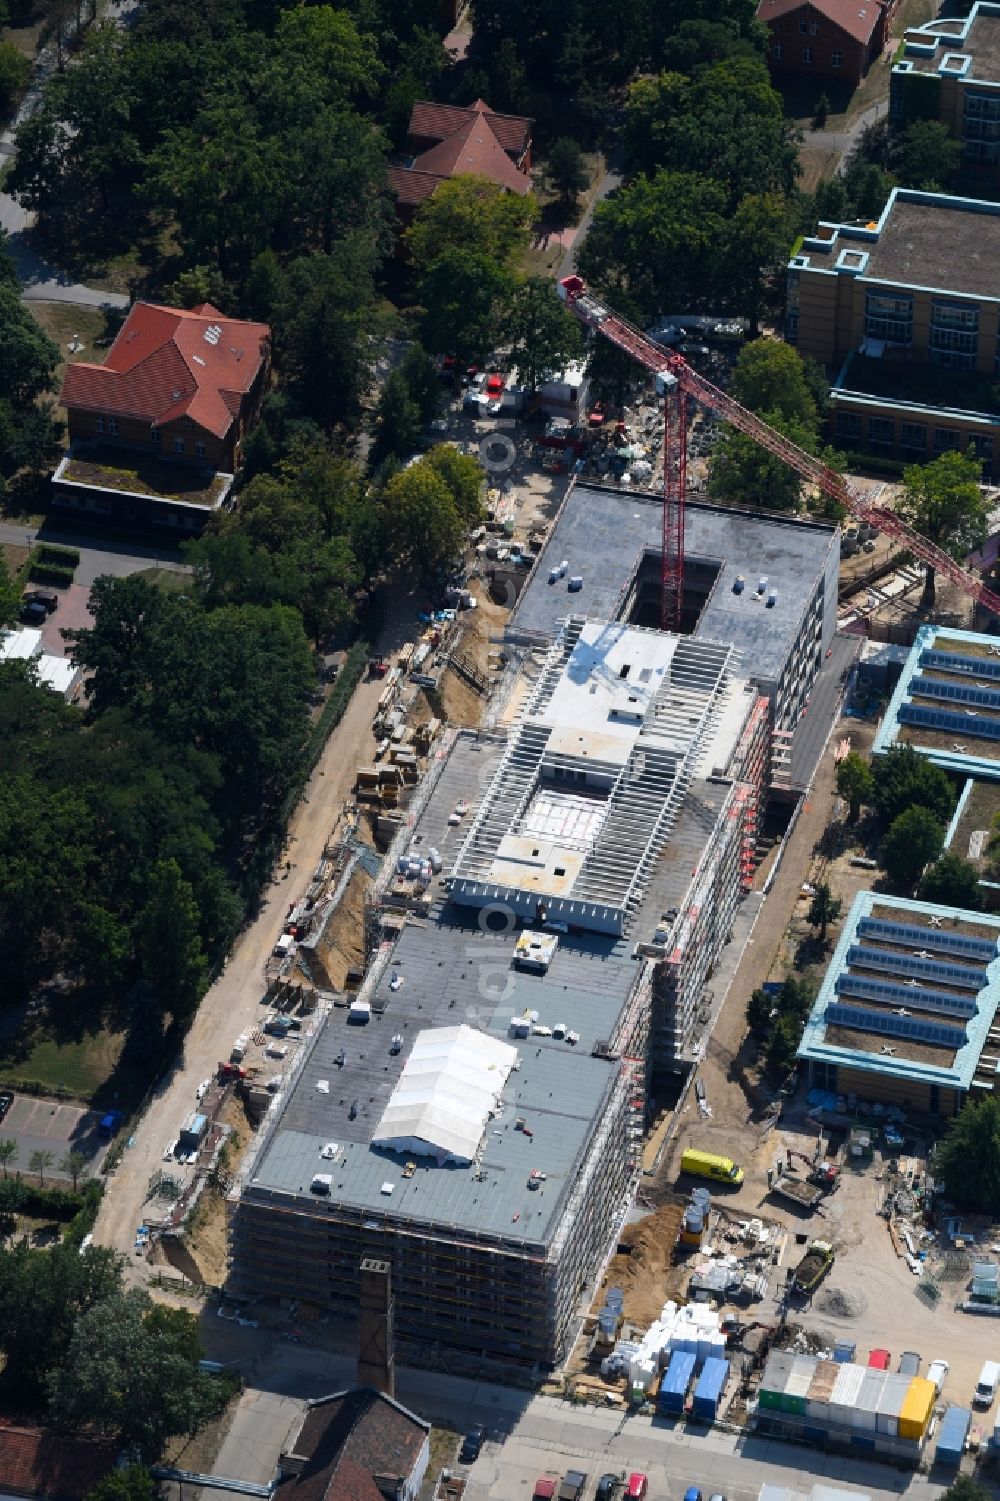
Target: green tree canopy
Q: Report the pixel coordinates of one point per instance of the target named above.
(422, 520)
(542, 336)
(951, 882)
(133, 1483)
(397, 421)
(929, 156)
(824, 909)
(912, 840)
(855, 783)
(42, 1295)
(904, 778)
(968, 1160)
(566, 169)
(171, 956)
(942, 500)
(473, 215)
(742, 472)
(771, 377)
(463, 475)
(463, 295)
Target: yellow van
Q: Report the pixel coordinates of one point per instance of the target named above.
(708, 1165)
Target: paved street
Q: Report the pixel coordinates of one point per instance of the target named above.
(98, 555)
(257, 1436)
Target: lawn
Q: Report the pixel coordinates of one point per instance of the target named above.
(169, 579)
(15, 555)
(64, 323)
(80, 1066)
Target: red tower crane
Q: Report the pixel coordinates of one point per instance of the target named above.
(677, 381)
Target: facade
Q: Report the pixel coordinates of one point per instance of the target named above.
(446, 141)
(906, 311)
(906, 1014)
(157, 431)
(835, 40)
(950, 71)
(585, 892)
(355, 1446)
(949, 675)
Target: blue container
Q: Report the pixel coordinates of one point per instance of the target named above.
(862, 1440)
(676, 1380)
(844, 1352)
(708, 1392)
(814, 1435)
(954, 1431)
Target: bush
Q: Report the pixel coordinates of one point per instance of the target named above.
(17, 1196)
(50, 573)
(54, 552)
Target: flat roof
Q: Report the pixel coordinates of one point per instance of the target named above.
(947, 702)
(971, 829)
(938, 241)
(938, 46)
(605, 534)
(911, 992)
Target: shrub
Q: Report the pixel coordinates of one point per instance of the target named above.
(54, 552)
(17, 1196)
(50, 573)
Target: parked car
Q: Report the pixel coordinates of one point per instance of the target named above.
(986, 1386)
(574, 1483)
(692, 1493)
(637, 1488)
(608, 1487)
(6, 1101)
(937, 1372)
(472, 1444)
(34, 613)
(47, 597)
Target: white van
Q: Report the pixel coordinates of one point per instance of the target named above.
(986, 1388)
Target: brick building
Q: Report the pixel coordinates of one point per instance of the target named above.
(834, 40)
(450, 142)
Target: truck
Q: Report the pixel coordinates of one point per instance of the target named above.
(813, 1267)
(574, 1483)
(798, 1191)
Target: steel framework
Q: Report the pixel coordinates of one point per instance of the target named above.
(677, 381)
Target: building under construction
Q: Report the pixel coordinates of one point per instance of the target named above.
(473, 1116)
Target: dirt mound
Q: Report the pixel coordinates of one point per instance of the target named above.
(643, 1266)
(839, 1304)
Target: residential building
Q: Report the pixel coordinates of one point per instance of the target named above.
(830, 40)
(904, 311)
(949, 70)
(355, 1446)
(446, 141)
(38, 1463)
(157, 431)
(906, 1013)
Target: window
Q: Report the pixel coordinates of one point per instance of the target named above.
(981, 107)
(946, 440)
(99, 424)
(813, 28)
(178, 445)
(881, 432)
(848, 425)
(154, 434)
(951, 359)
(778, 51)
(954, 315)
(836, 58)
(981, 151)
(199, 449)
(803, 25)
(113, 425)
(807, 54)
(889, 318)
(913, 437)
(792, 326)
(824, 1075)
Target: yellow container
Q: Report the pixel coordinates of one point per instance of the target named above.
(917, 1408)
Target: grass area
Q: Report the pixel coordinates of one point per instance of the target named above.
(63, 323)
(816, 163)
(444, 1447)
(110, 468)
(15, 555)
(80, 1066)
(165, 578)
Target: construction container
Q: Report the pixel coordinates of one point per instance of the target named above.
(918, 1408)
(821, 1389)
(954, 1431)
(708, 1392)
(869, 1397)
(846, 1391)
(771, 1393)
(891, 1405)
(798, 1383)
(676, 1380)
(844, 1351)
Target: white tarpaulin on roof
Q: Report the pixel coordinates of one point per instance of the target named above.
(452, 1080)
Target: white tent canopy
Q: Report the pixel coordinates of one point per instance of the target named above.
(452, 1080)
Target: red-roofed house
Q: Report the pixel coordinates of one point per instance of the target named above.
(450, 142)
(355, 1446)
(34, 1462)
(832, 40)
(158, 429)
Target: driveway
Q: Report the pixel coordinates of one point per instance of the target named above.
(612, 179)
(73, 614)
(257, 1436)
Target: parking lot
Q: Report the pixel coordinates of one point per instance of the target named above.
(39, 1125)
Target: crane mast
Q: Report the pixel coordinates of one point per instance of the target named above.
(678, 382)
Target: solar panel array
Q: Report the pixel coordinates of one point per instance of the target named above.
(883, 962)
(950, 661)
(959, 693)
(913, 1028)
(945, 719)
(866, 988)
(943, 940)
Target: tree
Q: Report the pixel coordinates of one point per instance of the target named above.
(133, 1483)
(951, 882)
(759, 1008)
(964, 1488)
(743, 473)
(566, 170)
(968, 1160)
(10, 597)
(928, 156)
(8, 1152)
(463, 295)
(15, 71)
(770, 377)
(942, 500)
(397, 420)
(795, 998)
(855, 783)
(423, 381)
(911, 841)
(73, 1165)
(463, 475)
(42, 1296)
(543, 336)
(783, 1045)
(423, 523)
(474, 215)
(169, 942)
(906, 778)
(132, 1374)
(824, 909)
(821, 111)
(38, 1162)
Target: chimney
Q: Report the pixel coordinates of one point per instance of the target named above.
(376, 1336)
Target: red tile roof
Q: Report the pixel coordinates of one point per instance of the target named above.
(34, 1462)
(412, 187)
(172, 362)
(435, 122)
(473, 148)
(858, 18)
(348, 1439)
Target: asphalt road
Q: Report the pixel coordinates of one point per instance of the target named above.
(98, 555)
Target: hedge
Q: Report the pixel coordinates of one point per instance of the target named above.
(17, 1196)
(54, 552)
(50, 573)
